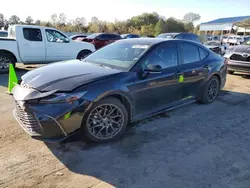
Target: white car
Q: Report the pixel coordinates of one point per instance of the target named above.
(37, 44)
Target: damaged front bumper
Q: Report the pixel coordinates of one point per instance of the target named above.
(46, 118)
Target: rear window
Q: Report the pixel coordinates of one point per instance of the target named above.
(32, 34)
(109, 37)
(3, 34)
(203, 53)
(190, 53)
(92, 36)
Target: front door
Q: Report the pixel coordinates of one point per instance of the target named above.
(158, 90)
(192, 68)
(58, 46)
(32, 45)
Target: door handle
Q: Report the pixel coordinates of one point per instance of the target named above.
(178, 73)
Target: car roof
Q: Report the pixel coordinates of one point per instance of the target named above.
(153, 41)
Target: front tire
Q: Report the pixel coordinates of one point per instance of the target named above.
(105, 121)
(82, 54)
(210, 91)
(5, 60)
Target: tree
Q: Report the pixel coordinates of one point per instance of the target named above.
(29, 20)
(147, 30)
(1, 20)
(14, 20)
(122, 27)
(62, 19)
(95, 25)
(174, 25)
(6, 24)
(38, 22)
(189, 27)
(111, 27)
(80, 21)
(160, 27)
(191, 17)
(197, 29)
(143, 19)
(53, 18)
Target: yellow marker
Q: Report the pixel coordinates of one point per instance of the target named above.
(66, 116)
(181, 79)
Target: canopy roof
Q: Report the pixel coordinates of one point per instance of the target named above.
(226, 23)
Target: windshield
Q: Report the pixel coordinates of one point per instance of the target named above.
(92, 36)
(3, 34)
(247, 41)
(167, 36)
(117, 55)
(212, 43)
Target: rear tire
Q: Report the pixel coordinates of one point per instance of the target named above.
(105, 121)
(210, 90)
(82, 54)
(230, 72)
(5, 60)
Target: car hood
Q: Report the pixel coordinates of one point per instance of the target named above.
(65, 75)
(242, 49)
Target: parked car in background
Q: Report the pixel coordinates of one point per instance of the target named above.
(217, 47)
(37, 44)
(123, 82)
(100, 40)
(3, 34)
(213, 38)
(186, 36)
(149, 36)
(239, 58)
(78, 37)
(128, 36)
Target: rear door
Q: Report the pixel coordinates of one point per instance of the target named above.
(31, 45)
(192, 68)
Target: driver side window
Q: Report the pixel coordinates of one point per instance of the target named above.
(55, 36)
(165, 55)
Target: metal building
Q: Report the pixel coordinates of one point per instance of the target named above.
(240, 24)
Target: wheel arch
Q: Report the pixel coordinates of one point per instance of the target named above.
(217, 75)
(84, 50)
(124, 100)
(9, 52)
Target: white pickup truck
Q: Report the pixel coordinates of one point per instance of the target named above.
(37, 44)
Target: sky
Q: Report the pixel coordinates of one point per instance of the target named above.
(123, 9)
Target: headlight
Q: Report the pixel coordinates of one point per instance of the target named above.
(63, 97)
(229, 52)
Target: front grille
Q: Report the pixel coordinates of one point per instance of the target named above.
(238, 57)
(28, 120)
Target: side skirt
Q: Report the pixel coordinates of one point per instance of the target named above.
(187, 102)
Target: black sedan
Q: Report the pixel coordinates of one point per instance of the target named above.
(123, 82)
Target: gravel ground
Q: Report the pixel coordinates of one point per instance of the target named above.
(197, 146)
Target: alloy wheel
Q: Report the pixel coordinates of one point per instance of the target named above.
(4, 63)
(212, 90)
(105, 121)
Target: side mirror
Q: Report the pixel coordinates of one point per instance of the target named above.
(151, 68)
(66, 40)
